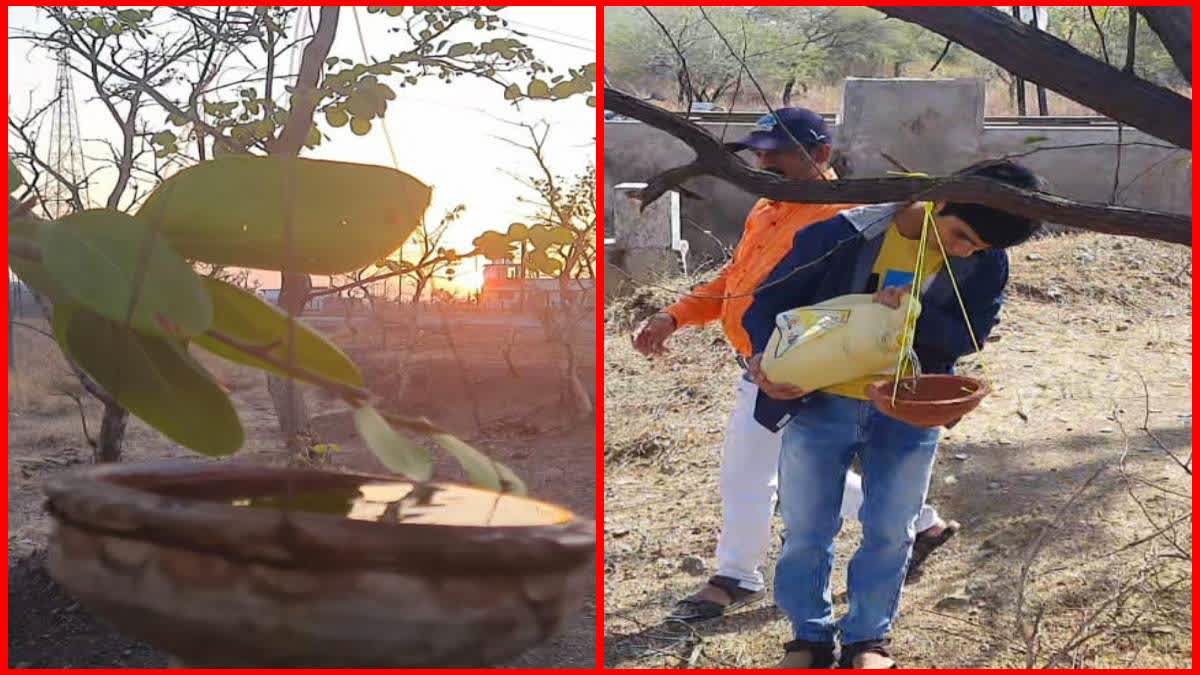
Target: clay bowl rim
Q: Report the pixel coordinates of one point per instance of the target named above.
(881, 391)
(99, 499)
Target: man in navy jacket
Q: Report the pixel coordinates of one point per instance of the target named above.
(871, 249)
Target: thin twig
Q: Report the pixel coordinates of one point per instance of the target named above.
(35, 329)
(685, 74)
(1100, 32)
(945, 51)
(82, 420)
(1031, 634)
(749, 73)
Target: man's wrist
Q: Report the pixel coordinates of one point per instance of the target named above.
(674, 321)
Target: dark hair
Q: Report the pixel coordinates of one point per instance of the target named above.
(1000, 229)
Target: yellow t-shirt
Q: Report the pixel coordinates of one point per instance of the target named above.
(894, 267)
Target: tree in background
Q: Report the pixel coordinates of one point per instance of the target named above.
(665, 51)
(181, 65)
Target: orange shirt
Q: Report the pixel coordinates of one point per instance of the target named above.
(770, 228)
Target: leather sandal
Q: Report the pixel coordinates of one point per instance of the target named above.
(926, 544)
(695, 608)
(807, 655)
(867, 655)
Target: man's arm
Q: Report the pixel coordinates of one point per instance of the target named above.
(702, 304)
(942, 334)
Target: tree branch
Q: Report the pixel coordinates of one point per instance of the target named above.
(305, 96)
(712, 159)
(1040, 57)
(1173, 25)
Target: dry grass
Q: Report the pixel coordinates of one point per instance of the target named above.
(1069, 366)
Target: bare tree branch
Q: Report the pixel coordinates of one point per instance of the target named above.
(712, 159)
(1173, 25)
(1040, 57)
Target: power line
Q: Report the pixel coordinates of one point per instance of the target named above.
(579, 38)
(590, 50)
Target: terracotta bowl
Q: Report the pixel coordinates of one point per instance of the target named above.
(174, 554)
(929, 400)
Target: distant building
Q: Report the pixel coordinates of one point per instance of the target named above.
(503, 287)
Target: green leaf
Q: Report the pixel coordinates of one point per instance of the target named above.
(97, 24)
(512, 92)
(543, 237)
(591, 101)
(154, 378)
(344, 216)
(94, 255)
(336, 117)
(539, 89)
(313, 139)
(163, 138)
(480, 469)
(460, 49)
(360, 126)
(34, 274)
(14, 177)
(248, 319)
(398, 453)
(494, 245)
(518, 231)
(543, 263)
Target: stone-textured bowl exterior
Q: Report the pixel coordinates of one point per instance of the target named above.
(219, 586)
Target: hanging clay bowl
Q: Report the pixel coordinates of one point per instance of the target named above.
(225, 565)
(929, 400)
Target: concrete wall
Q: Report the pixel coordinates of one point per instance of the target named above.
(928, 125)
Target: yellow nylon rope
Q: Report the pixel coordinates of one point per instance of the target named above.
(910, 325)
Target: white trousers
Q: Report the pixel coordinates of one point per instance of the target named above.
(749, 479)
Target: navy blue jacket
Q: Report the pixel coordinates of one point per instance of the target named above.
(835, 257)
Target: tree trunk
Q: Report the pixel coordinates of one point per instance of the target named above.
(112, 433)
(294, 288)
(787, 91)
(1040, 57)
(1017, 80)
(1043, 109)
(289, 401)
(1173, 25)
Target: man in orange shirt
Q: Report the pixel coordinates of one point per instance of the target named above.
(794, 143)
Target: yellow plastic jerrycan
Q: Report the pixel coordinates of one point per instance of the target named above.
(835, 341)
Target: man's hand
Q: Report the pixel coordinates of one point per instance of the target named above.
(892, 295)
(650, 336)
(776, 391)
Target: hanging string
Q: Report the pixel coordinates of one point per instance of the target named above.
(382, 121)
(906, 358)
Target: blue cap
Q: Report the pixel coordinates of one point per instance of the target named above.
(800, 124)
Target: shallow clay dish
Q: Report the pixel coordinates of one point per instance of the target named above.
(211, 563)
(929, 400)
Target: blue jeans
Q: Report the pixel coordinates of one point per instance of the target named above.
(897, 459)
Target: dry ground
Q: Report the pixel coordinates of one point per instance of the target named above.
(1093, 366)
(520, 427)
